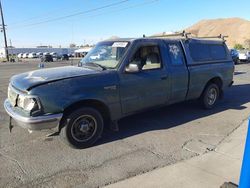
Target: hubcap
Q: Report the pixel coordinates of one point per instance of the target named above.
(84, 128)
(212, 96)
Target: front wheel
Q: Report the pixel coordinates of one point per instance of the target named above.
(82, 128)
(210, 96)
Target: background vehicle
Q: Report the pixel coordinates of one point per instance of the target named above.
(65, 57)
(32, 55)
(25, 55)
(20, 55)
(39, 54)
(244, 56)
(47, 58)
(131, 75)
(235, 55)
(54, 54)
(71, 55)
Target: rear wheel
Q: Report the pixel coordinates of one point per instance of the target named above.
(210, 96)
(82, 128)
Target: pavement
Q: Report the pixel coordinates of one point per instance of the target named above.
(146, 141)
(210, 170)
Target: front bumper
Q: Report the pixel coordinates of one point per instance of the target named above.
(33, 123)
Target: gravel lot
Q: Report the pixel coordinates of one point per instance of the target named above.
(145, 141)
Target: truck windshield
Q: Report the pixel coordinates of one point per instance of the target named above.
(105, 54)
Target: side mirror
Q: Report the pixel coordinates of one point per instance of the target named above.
(132, 68)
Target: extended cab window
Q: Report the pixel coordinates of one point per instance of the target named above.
(175, 53)
(147, 58)
(207, 52)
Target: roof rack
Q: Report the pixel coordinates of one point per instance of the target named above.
(212, 37)
(187, 36)
(181, 34)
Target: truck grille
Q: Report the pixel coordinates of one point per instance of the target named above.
(12, 96)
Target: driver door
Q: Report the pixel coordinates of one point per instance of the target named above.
(149, 86)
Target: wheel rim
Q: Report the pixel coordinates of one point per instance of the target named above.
(212, 96)
(84, 128)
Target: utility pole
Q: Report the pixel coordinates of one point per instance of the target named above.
(4, 33)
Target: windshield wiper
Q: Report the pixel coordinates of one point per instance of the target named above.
(97, 65)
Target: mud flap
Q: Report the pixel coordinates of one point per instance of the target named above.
(114, 126)
(10, 124)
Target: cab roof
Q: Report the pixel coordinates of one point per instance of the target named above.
(193, 39)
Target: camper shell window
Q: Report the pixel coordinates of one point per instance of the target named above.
(207, 52)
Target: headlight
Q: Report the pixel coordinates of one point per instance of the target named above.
(26, 103)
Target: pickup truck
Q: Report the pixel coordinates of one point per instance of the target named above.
(127, 76)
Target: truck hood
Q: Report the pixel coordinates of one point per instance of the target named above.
(28, 80)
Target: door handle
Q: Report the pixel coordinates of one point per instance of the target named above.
(164, 77)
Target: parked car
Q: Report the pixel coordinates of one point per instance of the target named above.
(244, 56)
(47, 58)
(71, 55)
(235, 55)
(65, 57)
(32, 55)
(20, 55)
(54, 54)
(39, 54)
(136, 74)
(25, 55)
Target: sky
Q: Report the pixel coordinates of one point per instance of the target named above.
(60, 22)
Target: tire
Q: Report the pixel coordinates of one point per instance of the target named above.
(82, 128)
(210, 96)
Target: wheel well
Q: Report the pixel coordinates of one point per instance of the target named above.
(98, 105)
(215, 80)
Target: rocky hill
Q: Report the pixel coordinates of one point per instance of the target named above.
(237, 29)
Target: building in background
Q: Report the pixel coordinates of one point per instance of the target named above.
(42, 49)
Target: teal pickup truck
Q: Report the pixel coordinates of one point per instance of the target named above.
(118, 78)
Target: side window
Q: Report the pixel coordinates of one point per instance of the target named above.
(147, 58)
(207, 52)
(218, 52)
(199, 52)
(176, 54)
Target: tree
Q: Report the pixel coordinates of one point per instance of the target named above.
(247, 43)
(238, 46)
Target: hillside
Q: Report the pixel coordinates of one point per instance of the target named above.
(237, 29)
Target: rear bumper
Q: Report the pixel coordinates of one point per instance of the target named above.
(33, 123)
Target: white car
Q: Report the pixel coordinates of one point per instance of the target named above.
(244, 55)
(39, 54)
(25, 55)
(20, 55)
(32, 55)
(54, 54)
